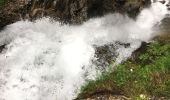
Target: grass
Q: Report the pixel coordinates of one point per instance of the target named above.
(2, 3)
(148, 75)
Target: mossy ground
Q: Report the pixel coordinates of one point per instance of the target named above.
(146, 76)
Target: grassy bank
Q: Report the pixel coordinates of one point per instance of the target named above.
(146, 76)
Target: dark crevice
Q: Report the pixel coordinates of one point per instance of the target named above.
(2, 47)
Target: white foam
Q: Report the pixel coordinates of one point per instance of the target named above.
(47, 61)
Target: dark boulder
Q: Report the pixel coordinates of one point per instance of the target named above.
(67, 11)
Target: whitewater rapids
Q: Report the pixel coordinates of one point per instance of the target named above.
(44, 60)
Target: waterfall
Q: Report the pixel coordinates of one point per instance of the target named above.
(44, 60)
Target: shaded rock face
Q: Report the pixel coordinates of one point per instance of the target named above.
(107, 54)
(165, 25)
(131, 7)
(8, 13)
(67, 11)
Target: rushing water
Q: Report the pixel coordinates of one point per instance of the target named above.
(44, 60)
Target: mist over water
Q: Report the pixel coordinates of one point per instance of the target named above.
(44, 60)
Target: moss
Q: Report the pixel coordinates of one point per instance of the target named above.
(2, 2)
(149, 76)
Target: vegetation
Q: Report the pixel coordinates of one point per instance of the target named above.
(140, 79)
(2, 3)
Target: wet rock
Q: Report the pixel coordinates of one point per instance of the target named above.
(11, 12)
(163, 1)
(67, 11)
(165, 25)
(106, 55)
(141, 50)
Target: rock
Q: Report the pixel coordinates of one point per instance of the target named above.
(141, 50)
(109, 97)
(107, 54)
(104, 96)
(165, 25)
(2, 47)
(11, 12)
(67, 11)
(163, 1)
